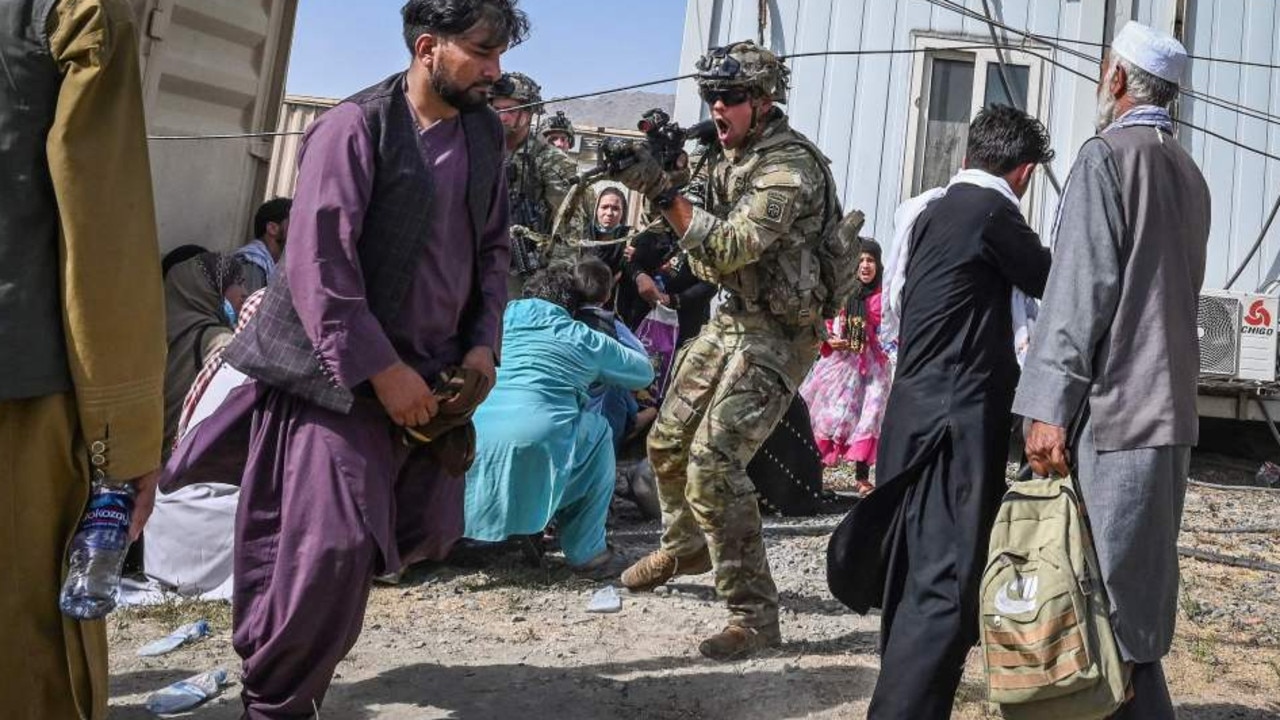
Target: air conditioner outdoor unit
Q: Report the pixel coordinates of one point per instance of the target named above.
(1238, 335)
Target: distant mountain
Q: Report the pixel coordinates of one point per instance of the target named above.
(618, 111)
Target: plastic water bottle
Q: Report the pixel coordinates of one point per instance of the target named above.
(97, 553)
(187, 694)
(175, 639)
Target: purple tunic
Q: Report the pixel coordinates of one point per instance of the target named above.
(324, 269)
(328, 499)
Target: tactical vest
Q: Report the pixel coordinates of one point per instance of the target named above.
(787, 281)
(529, 206)
(33, 355)
(274, 347)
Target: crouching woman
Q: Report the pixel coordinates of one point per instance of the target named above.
(540, 455)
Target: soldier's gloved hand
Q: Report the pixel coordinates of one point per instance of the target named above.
(645, 174)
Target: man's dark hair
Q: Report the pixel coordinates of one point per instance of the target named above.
(595, 280)
(1002, 137)
(556, 284)
(275, 210)
(508, 25)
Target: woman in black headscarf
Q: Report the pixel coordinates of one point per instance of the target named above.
(848, 387)
(202, 296)
(610, 224)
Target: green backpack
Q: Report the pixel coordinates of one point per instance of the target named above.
(1047, 642)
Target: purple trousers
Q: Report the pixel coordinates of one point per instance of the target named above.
(327, 501)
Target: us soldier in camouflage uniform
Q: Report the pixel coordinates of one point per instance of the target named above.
(770, 210)
(538, 177)
(558, 130)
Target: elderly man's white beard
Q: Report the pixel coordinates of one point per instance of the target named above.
(1106, 108)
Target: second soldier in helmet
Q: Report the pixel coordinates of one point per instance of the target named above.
(538, 179)
(558, 130)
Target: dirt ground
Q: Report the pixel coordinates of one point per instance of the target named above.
(506, 640)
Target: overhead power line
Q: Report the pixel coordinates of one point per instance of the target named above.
(1201, 58)
(1044, 40)
(1266, 227)
(1243, 110)
(961, 10)
(599, 92)
(228, 136)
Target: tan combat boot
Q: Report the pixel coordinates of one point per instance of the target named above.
(736, 642)
(659, 566)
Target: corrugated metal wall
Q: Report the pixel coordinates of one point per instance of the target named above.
(296, 115)
(212, 67)
(1244, 184)
(856, 107)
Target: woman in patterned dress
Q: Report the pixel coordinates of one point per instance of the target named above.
(847, 389)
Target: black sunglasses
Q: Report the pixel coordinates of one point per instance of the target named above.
(728, 97)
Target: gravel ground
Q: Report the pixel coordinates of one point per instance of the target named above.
(504, 639)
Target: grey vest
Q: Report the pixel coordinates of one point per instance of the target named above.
(33, 355)
(274, 347)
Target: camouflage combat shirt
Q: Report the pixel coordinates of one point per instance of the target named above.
(766, 207)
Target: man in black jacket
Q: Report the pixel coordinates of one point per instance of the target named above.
(946, 428)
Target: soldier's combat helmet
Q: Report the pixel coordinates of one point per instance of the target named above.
(744, 65)
(558, 123)
(518, 87)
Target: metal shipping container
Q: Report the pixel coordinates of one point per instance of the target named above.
(296, 115)
(1244, 184)
(211, 67)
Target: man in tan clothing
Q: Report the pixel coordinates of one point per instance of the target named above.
(81, 328)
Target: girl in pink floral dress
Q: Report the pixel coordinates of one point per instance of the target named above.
(847, 388)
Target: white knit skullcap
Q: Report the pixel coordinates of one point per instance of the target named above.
(1151, 50)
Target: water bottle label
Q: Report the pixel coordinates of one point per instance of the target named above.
(107, 518)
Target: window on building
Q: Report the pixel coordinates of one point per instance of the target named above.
(947, 120)
(950, 84)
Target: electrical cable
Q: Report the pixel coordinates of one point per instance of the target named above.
(1019, 101)
(1202, 58)
(946, 4)
(1243, 110)
(1266, 227)
(1197, 95)
(228, 136)
(598, 93)
(902, 51)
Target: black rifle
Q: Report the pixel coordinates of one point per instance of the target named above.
(528, 213)
(665, 139)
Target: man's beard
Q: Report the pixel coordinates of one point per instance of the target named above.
(462, 98)
(1106, 109)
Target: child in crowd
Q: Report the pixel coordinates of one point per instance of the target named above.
(848, 386)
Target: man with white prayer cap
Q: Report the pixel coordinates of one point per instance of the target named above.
(1110, 380)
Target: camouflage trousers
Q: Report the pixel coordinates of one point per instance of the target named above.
(731, 387)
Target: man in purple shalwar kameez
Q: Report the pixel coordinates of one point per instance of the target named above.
(397, 269)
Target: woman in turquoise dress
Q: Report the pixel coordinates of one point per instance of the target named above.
(539, 454)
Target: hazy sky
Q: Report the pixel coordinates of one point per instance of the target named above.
(341, 46)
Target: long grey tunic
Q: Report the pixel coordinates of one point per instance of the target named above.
(1114, 356)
